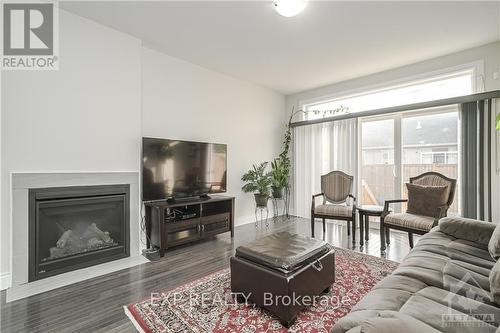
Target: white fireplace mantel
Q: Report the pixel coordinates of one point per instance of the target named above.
(21, 183)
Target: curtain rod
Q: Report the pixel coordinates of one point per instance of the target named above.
(407, 107)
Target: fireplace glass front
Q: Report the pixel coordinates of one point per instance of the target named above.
(77, 227)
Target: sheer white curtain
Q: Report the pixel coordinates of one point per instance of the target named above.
(317, 150)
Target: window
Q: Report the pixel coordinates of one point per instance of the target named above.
(444, 86)
(445, 157)
(436, 136)
(394, 147)
(418, 142)
(377, 161)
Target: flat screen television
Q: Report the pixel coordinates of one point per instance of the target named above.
(173, 169)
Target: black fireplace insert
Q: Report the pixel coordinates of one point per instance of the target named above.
(76, 227)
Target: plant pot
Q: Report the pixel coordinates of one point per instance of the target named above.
(277, 192)
(261, 199)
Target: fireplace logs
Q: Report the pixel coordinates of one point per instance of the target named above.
(61, 243)
(71, 242)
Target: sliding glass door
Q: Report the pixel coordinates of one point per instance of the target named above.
(378, 172)
(404, 145)
(430, 143)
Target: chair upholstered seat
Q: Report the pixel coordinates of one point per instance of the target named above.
(333, 210)
(418, 222)
(336, 190)
(421, 215)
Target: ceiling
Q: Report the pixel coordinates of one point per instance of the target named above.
(328, 42)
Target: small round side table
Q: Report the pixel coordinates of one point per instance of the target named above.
(365, 211)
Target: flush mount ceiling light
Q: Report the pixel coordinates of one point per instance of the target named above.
(289, 8)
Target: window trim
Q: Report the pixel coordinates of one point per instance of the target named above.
(476, 68)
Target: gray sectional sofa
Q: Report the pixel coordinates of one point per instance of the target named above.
(449, 282)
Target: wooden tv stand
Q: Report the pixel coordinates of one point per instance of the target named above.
(174, 223)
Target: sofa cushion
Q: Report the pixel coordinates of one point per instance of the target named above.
(475, 256)
(478, 232)
(469, 289)
(467, 273)
(471, 302)
(495, 282)
(494, 243)
(399, 282)
(353, 320)
(406, 220)
(395, 322)
(426, 200)
(443, 317)
(334, 210)
(383, 299)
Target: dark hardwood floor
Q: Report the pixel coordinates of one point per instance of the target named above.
(95, 305)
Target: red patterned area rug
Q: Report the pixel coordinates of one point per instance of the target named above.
(206, 305)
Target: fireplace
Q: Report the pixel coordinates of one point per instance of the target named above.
(76, 227)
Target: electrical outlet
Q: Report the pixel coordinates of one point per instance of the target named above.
(496, 76)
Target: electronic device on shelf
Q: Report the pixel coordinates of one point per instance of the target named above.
(182, 213)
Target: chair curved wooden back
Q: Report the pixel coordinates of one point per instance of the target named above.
(336, 186)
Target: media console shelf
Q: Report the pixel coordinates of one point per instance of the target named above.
(174, 223)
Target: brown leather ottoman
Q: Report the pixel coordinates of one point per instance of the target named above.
(283, 273)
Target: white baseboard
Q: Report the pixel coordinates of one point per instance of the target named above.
(36, 287)
(4, 281)
(247, 219)
(242, 220)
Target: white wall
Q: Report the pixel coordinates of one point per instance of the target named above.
(185, 101)
(84, 117)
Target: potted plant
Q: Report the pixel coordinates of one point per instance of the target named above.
(258, 181)
(279, 177)
(281, 165)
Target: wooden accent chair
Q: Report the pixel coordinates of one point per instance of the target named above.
(336, 188)
(412, 223)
